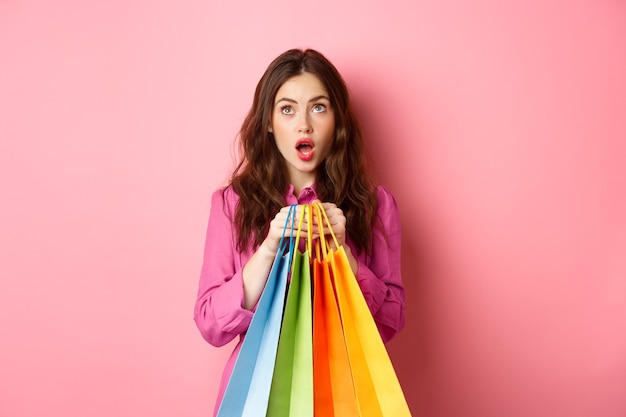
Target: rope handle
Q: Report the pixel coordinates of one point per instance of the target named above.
(323, 220)
(303, 214)
(290, 216)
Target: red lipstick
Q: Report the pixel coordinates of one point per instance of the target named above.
(305, 149)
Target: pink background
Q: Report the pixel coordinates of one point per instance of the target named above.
(499, 126)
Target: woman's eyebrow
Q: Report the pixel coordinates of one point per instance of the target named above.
(290, 100)
(321, 96)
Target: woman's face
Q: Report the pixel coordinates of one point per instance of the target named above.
(303, 125)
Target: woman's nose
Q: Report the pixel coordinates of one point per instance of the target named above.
(304, 124)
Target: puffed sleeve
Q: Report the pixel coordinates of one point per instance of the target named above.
(379, 274)
(218, 312)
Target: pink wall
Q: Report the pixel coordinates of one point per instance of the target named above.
(499, 126)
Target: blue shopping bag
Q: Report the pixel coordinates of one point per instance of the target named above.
(248, 389)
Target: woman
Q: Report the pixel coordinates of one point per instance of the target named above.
(301, 143)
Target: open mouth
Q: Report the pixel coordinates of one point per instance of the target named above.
(305, 149)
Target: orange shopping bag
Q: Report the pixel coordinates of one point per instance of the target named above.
(376, 386)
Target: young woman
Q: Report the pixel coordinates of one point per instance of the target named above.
(301, 143)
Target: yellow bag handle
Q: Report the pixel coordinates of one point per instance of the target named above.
(323, 219)
(303, 214)
(309, 220)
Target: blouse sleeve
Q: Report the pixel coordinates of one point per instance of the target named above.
(218, 312)
(379, 274)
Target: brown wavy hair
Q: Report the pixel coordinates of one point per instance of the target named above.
(260, 179)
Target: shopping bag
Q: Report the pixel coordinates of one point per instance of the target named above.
(292, 385)
(377, 388)
(249, 385)
(334, 390)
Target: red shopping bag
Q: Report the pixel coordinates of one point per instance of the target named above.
(334, 393)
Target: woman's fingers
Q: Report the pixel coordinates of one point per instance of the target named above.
(290, 226)
(334, 219)
(281, 226)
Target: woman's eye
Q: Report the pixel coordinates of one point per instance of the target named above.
(319, 108)
(286, 110)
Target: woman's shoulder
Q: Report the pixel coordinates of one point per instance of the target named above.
(226, 193)
(385, 197)
(225, 197)
(387, 207)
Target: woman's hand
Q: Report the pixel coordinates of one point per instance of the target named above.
(337, 221)
(277, 226)
(258, 267)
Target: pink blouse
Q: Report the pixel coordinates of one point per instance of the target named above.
(218, 312)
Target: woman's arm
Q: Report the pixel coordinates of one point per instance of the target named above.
(231, 282)
(257, 269)
(219, 312)
(379, 274)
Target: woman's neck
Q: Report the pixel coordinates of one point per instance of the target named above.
(300, 182)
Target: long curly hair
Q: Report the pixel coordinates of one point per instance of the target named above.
(260, 179)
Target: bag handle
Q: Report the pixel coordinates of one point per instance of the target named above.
(323, 220)
(297, 239)
(322, 239)
(309, 220)
(291, 215)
